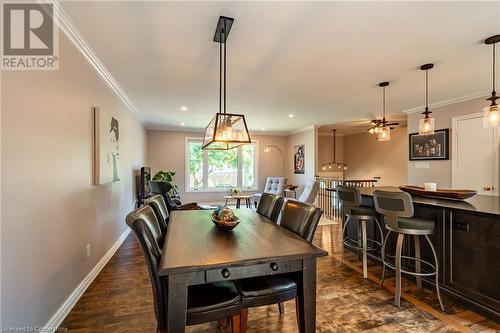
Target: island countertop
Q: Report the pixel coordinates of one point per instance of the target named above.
(479, 203)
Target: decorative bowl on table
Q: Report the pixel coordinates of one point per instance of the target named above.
(224, 218)
(439, 193)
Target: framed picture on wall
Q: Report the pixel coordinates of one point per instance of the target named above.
(106, 147)
(430, 147)
(299, 160)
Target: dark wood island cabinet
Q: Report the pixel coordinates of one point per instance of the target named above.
(467, 239)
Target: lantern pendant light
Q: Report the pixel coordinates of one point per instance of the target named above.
(491, 118)
(384, 133)
(426, 125)
(226, 130)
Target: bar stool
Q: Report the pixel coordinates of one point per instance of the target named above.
(397, 208)
(350, 198)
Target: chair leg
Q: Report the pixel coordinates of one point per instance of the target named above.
(365, 254)
(236, 324)
(437, 272)
(244, 320)
(222, 323)
(297, 314)
(382, 252)
(281, 308)
(417, 262)
(399, 248)
(343, 237)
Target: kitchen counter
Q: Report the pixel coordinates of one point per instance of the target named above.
(478, 203)
(466, 237)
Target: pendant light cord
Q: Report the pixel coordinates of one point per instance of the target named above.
(426, 91)
(220, 72)
(384, 107)
(225, 66)
(494, 65)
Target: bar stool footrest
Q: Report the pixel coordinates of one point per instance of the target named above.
(392, 265)
(354, 244)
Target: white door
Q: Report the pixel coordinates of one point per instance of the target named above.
(475, 155)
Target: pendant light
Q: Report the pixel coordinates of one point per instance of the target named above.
(226, 130)
(491, 118)
(334, 164)
(426, 125)
(384, 133)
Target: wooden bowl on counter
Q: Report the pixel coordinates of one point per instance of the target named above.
(439, 193)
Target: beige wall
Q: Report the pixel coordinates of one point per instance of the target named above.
(166, 151)
(367, 158)
(50, 209)
(308, 138)
(440, 171)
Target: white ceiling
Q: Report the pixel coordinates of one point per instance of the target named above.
(320, 61)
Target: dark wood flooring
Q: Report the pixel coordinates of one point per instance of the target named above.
(120, 300)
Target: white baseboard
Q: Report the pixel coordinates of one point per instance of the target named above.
(70, 302)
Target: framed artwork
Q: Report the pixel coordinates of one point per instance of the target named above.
(430, 147)
(299, 162)
(106, 147)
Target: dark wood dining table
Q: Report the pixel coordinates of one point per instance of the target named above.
(196, 252)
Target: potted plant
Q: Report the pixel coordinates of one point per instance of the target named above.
(167, 177)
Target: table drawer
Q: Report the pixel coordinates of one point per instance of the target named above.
(242, 272)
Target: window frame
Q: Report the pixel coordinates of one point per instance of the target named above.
(205, 189)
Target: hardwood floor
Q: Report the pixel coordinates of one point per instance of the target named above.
(120, 300)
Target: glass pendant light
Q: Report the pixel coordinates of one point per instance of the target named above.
(426, 125)
(384, 132)
(226, 130)
(491, 118)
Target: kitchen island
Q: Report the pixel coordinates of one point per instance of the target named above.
(467, 239)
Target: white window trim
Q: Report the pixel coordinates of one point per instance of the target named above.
(187, 189)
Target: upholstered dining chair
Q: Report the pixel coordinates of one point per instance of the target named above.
(274, 185)
(160, 209)
(270, 206)
(302, 219)
(163, 188)
(206, 303)
(310, 192)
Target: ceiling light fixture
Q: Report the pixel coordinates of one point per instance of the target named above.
(184, 108)
(384, 133)
(182, 124)
(291, 115)
(491, 118)
(226, 130)
(334, 164)
(426, 125)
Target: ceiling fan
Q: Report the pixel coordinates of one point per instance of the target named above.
(378, 124)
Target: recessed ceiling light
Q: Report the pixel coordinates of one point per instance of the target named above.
(263, 128)
(182, 124)
(184, 108)
(291, 115)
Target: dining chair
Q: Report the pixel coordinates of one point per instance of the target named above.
(270, 206)
(310, 192)
(302, 219)
(160, 209)
(206, 302)
(163, 188)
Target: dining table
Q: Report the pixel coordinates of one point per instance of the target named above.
(196, 252)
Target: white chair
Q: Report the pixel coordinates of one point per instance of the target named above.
(310, 192)
(274, 185)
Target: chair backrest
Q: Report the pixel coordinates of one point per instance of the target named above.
(270, 206)
(163, 188)
(145, 227)
(160, 209)
(301, 218)
(275, 185)
(393, 205)
(349, 196)
(310, 192)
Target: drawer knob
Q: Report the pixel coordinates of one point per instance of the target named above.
(225, 273)
(274, 266)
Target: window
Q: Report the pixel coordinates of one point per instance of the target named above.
(217, 170)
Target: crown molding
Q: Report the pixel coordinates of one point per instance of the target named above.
(448, 102)
(72, 33)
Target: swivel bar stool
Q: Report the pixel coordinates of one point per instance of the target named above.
(397, 208)
(350, 199)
